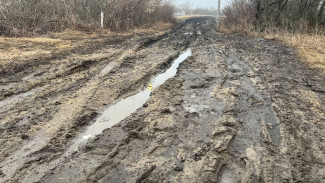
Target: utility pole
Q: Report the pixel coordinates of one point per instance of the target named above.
(101, 19)
(218, 14)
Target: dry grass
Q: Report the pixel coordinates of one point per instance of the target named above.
(27, 48)
(311, 48)
(19, 50)
(12, 48)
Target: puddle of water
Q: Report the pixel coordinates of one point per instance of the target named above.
(117, 113)
(127, 106)
(171, 72)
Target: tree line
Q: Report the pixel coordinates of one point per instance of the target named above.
(290, 15)
(41, 16)
(187, 9)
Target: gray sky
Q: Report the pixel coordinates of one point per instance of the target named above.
(203, 3)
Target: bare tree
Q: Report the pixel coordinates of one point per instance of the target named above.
(293, 15)
(41, 16)
(187, 7)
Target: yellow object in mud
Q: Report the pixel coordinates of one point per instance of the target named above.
(150, 87)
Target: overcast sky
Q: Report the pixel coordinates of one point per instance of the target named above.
(203, 3)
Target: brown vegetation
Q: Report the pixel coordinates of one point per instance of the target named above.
(299, 24)
(24, 49)
(309, 47)
(21, 17)
(302, 16)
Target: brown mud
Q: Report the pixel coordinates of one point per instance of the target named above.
(239, 109)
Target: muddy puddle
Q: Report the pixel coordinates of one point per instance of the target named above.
(124, 108)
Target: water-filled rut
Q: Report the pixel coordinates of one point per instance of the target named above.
(124, 108)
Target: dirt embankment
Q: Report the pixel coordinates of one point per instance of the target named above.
(239, 110)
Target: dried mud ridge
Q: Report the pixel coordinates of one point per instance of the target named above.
(239, 110)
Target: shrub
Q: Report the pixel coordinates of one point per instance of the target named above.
(41, 16)
(291, 15)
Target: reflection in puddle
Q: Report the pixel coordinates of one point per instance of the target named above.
(117, 113)
(127, 106)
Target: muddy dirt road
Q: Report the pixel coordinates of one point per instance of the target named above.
(238, 109)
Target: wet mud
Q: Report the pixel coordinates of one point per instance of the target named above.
(236, 109)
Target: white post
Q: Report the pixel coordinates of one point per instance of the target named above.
(218, 13)
(102, 19)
